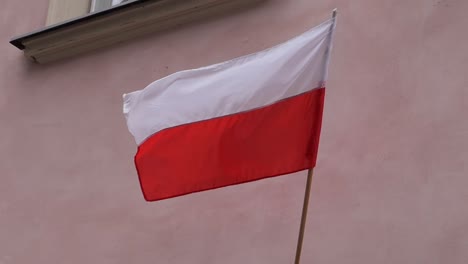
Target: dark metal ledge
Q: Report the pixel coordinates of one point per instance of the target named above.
(117, 24)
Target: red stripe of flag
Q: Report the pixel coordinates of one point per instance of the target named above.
(277, 139)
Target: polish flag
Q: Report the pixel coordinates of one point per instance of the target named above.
(242, 120)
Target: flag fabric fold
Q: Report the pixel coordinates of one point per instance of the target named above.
(245, 119)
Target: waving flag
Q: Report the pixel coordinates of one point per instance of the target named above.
(245, 119)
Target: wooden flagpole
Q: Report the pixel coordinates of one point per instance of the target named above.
(304, 215)
(308, 185)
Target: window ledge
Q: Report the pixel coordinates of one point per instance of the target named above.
(116, 24)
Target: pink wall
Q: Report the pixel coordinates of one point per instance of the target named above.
(391, 184)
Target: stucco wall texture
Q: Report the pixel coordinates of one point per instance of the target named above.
(391, 185)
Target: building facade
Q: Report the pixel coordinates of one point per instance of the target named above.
(391, 179)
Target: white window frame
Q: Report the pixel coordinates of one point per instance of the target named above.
(99, 5)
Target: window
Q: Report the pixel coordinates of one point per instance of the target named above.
(78, 26)
(99, 5)
(63, 10)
